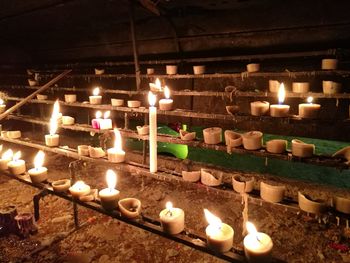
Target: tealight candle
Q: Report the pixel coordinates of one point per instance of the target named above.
(68, 120)
(150, 71)
(117, 102)
(52, 139)
(96, 152)
(134, 103)
(331, 87)
(311, 206)
(257, 245)
(70, 98)
(309, 109)
(171, 69)
(172, 219)
(79, 189)
(83, 150)
(99, 71)
(301, 149)
(32, 82)
(17, 166)
(14, 134)
(259, 108)
(38, 174)
(95, 98)
(41, 97)
(211, 178)
(61, 185)
(252, 140)
(95, 123)
(167, 103)
(280, 110)
(153, 166)
(219, 235)
(142, 130)
(156, 86)
(130, 207)
(2, 106)
(272, 193)
(233, 139)
(329, 63)
(276, 146)
(198, 70)
(116, 154)
(212, 135)
(109, 196)
(274, 85)
(187, 136)
(106, 122)
(5, 158)
(342, 204)
(242, 184)
(300, 87)
(192, 176)
(253, 67)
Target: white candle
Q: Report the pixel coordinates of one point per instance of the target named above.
(150, 71)
(193, 176)
(309, 109)
(14, 134)
(52, 139)
(99, 71)
(257, 245)
(311, 206)
(167, 103)
(219, 235)
(117, 102)
(95, 123)
(172, 219)
(134, 103)
(200, 69)
(17, 166)
(171, 69)
(274, 85)
(331, 87)
(300, 87)
(5, 158)
(109, 196)
(38, 174)
(156, 86)
(61, 185)
(152, 133)
(280, 110)
(259, 108)
(79, 189)
(2, 106)
(242, 184)
(70, 98)
(106, 122)
(95, 98)
(116, 154)
(68, 120)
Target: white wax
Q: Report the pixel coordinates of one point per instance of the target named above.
(14, 134)
(61, 185)
(300, 87)
(17, 167)
(109, 198)
(197, 70)
(279, 110)
(52, 140)
(134, 103)
(41, 97)
(272, 193)
(115, 155)
(220, 239)
(258, 247)
(165, 104)
(95, 99)
(274, 85)
(106, 124)
(259, 108)
(309, 110)
(301, 149)
(79, 189)
(38, 175)
(142, 130)
(150, 71)
(329, 63)
(172, 222)
(70, 98)
(153, 139)
(67, 120)
(117, 102)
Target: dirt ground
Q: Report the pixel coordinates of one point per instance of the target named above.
(296, 238)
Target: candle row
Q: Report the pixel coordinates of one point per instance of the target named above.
(328, 87)
(306, 110)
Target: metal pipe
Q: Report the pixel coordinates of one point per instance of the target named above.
(134, 44)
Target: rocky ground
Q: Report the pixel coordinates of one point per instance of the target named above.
(297, 238)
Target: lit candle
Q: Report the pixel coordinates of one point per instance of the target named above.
(280, 110)
(79, 189)
(95, 123)
(167, 103)
(106, 122)
(152, 133)
(5, 158)
(156, 86)
(56, 114)
(259, 108)
(52, 139)
(38, 174)
(172, 219)
(2, 106)
(219, 235)
(309, 109)
(109, 196)
(70, 98)
(17, 166)
(95, 98)
(257, 245)
(116, 154)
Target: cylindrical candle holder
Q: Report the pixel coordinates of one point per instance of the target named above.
(300, 87)
(272, 193)
(198, 70)
(117, 102)
(301, 149)
(70, 98)
(276, 146)
(258, 247)
(62, 185)
(253, 67)
(109, 198)
(166, 104)
(220, 240)
(252, 140)
(52, 140)
(173, 221)
(212, 135)
(329, 63)
(134, 103)
(274, 85)
(38, 175)
(171, 69)
(95, 99)
(130, 207)
(242, 185)
(311, 206)
(67, 120)
(193, 176)
(259, 108)
(17, 167)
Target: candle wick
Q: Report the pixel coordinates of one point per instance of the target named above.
(169, 212)
(257, 238)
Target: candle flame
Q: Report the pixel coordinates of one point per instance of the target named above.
(158, 84)
(151, 98)
(98, 114)
(96, 91)
(7, 155)
(1, 101)
(310, 99)
(117, 140)
(251, 228)
(167, 92)
(56, 110)
(281, 94)
(169, 206)
(39, 159)
(53, 126)
(79, 185)
(107, 114)
(212, 219)
(111, 179)
(17, 156)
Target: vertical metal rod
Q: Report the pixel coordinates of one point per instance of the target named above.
(75, 206)
(126, 120)
(145, 143)
(134, 45)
